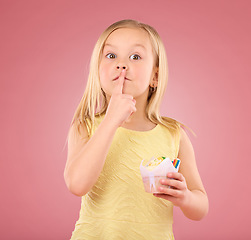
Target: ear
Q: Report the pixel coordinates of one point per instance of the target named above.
(154, 80)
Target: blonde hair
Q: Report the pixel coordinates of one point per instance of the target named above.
(94, 102)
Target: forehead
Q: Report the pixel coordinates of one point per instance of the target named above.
(129, 36)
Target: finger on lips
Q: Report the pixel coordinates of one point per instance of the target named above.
(121, 81)
(120, 85)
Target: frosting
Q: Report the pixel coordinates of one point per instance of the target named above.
(154, 162)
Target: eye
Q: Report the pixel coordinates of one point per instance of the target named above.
(111, 55)
(135, 57)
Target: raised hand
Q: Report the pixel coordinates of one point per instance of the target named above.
(121, 106)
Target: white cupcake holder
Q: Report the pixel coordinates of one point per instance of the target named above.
(161, 170)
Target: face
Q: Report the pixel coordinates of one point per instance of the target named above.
(128, 48)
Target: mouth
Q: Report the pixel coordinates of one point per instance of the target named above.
(118, 78)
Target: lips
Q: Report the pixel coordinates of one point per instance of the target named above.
(118, 78)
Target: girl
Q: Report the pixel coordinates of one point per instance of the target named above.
(116, 125)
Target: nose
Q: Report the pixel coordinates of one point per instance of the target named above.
(121, 66)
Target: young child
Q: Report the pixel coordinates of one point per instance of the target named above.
(116, 125)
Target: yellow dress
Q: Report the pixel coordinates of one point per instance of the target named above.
(117, 207)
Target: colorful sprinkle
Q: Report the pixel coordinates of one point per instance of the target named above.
(176, 163)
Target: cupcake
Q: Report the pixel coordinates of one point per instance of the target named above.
(155, 169)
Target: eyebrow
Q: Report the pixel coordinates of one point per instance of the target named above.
(135, 45)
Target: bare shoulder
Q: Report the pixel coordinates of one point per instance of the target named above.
(186, 146)
(77, 139)
(188, 166)
(77, 133)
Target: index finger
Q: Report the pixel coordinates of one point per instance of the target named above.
(175, 175)
(120, 83)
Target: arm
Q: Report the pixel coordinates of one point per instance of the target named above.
(188, 192)
(86, 157)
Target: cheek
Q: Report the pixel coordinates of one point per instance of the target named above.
(101, 70)
(145, 76)
(102, 74)
(105, 69)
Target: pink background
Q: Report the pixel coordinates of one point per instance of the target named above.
(45, 51)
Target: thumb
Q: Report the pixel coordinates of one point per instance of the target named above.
(120, 83)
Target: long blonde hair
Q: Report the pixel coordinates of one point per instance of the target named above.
(94, 102)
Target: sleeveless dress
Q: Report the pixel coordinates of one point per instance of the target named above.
(117, 206)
